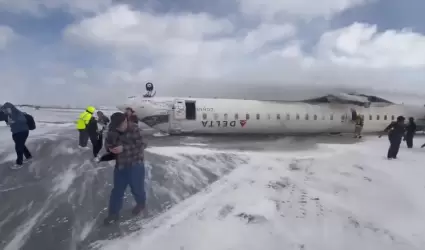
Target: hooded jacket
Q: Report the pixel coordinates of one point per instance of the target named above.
(85, 118)
(14, 118)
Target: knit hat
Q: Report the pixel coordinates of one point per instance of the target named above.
(116, 119)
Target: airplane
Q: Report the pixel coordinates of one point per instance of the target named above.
(331, 114)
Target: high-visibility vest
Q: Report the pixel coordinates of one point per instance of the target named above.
(83, 120)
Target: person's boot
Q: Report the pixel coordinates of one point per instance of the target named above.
(137, 209)
(112, 218)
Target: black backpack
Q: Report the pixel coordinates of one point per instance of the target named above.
(30, 121)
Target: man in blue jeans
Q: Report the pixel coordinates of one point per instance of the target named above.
(124, 139)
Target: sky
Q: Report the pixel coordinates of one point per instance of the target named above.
(82, 52)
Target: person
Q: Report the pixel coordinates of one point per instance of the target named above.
(124, 139)
(395, 134)
(88, 129)
(20, 131)
(358, 126)
(131, 115)
(102, 119)
(410, 132)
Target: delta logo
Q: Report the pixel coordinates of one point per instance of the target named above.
(242, 122)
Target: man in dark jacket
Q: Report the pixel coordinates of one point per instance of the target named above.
(125, 140)
(20, 131)
(395, 135)
(410, 132)
(93, 132)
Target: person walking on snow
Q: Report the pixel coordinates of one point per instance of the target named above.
(395, 135)
(88, 129)
(358, 126)
(20, 131)
(125, 140)
(410, 132)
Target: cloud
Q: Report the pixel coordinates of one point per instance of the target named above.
(361, 45)
(259, 50)
(199, 47)
(306, 9)
(40, 7)
(7, 35)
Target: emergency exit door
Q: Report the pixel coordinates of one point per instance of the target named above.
(179, 110)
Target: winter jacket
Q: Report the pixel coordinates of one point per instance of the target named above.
(411, 128)
(14, 118)
(395, 130)
(132, 143)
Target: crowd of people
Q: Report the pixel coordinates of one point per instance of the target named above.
(124, 143)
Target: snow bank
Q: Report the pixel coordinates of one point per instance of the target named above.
(337, 197)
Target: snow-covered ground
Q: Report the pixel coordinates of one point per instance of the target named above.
(293, 194)
(342, 197)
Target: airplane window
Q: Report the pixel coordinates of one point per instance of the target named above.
(315, 117)
(342, 117)
(370, 117)
(269, 116)
(288, 117)
(225, 117)
(278, 116)
(247, 116)
(306, 116)
(258, 116)
(215, 116)
(297, 117)
(323, 117)
(377, 117)
(332, 117)
(385, 117)
(204, 116)
(236, 116)
(392, 118)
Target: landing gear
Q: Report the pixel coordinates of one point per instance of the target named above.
(149, 90)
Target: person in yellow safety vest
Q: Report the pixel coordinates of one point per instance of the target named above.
(87, 127)
(358, 127)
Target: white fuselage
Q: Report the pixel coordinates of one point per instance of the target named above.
(233, 116)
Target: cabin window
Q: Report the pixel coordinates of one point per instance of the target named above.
(236, 116)
(306, 116)
(215, 116)
(385, 117)
(278, 116)
(258, 116)
(315, 117)
(269, 116)
(331, 117)
(226, 117)
(297, 117)
(392, 118)
(288, 117)
(342, 118)
(377, 117)
(370, 117)
(323, 117)
(247, 116)
(204, 116)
